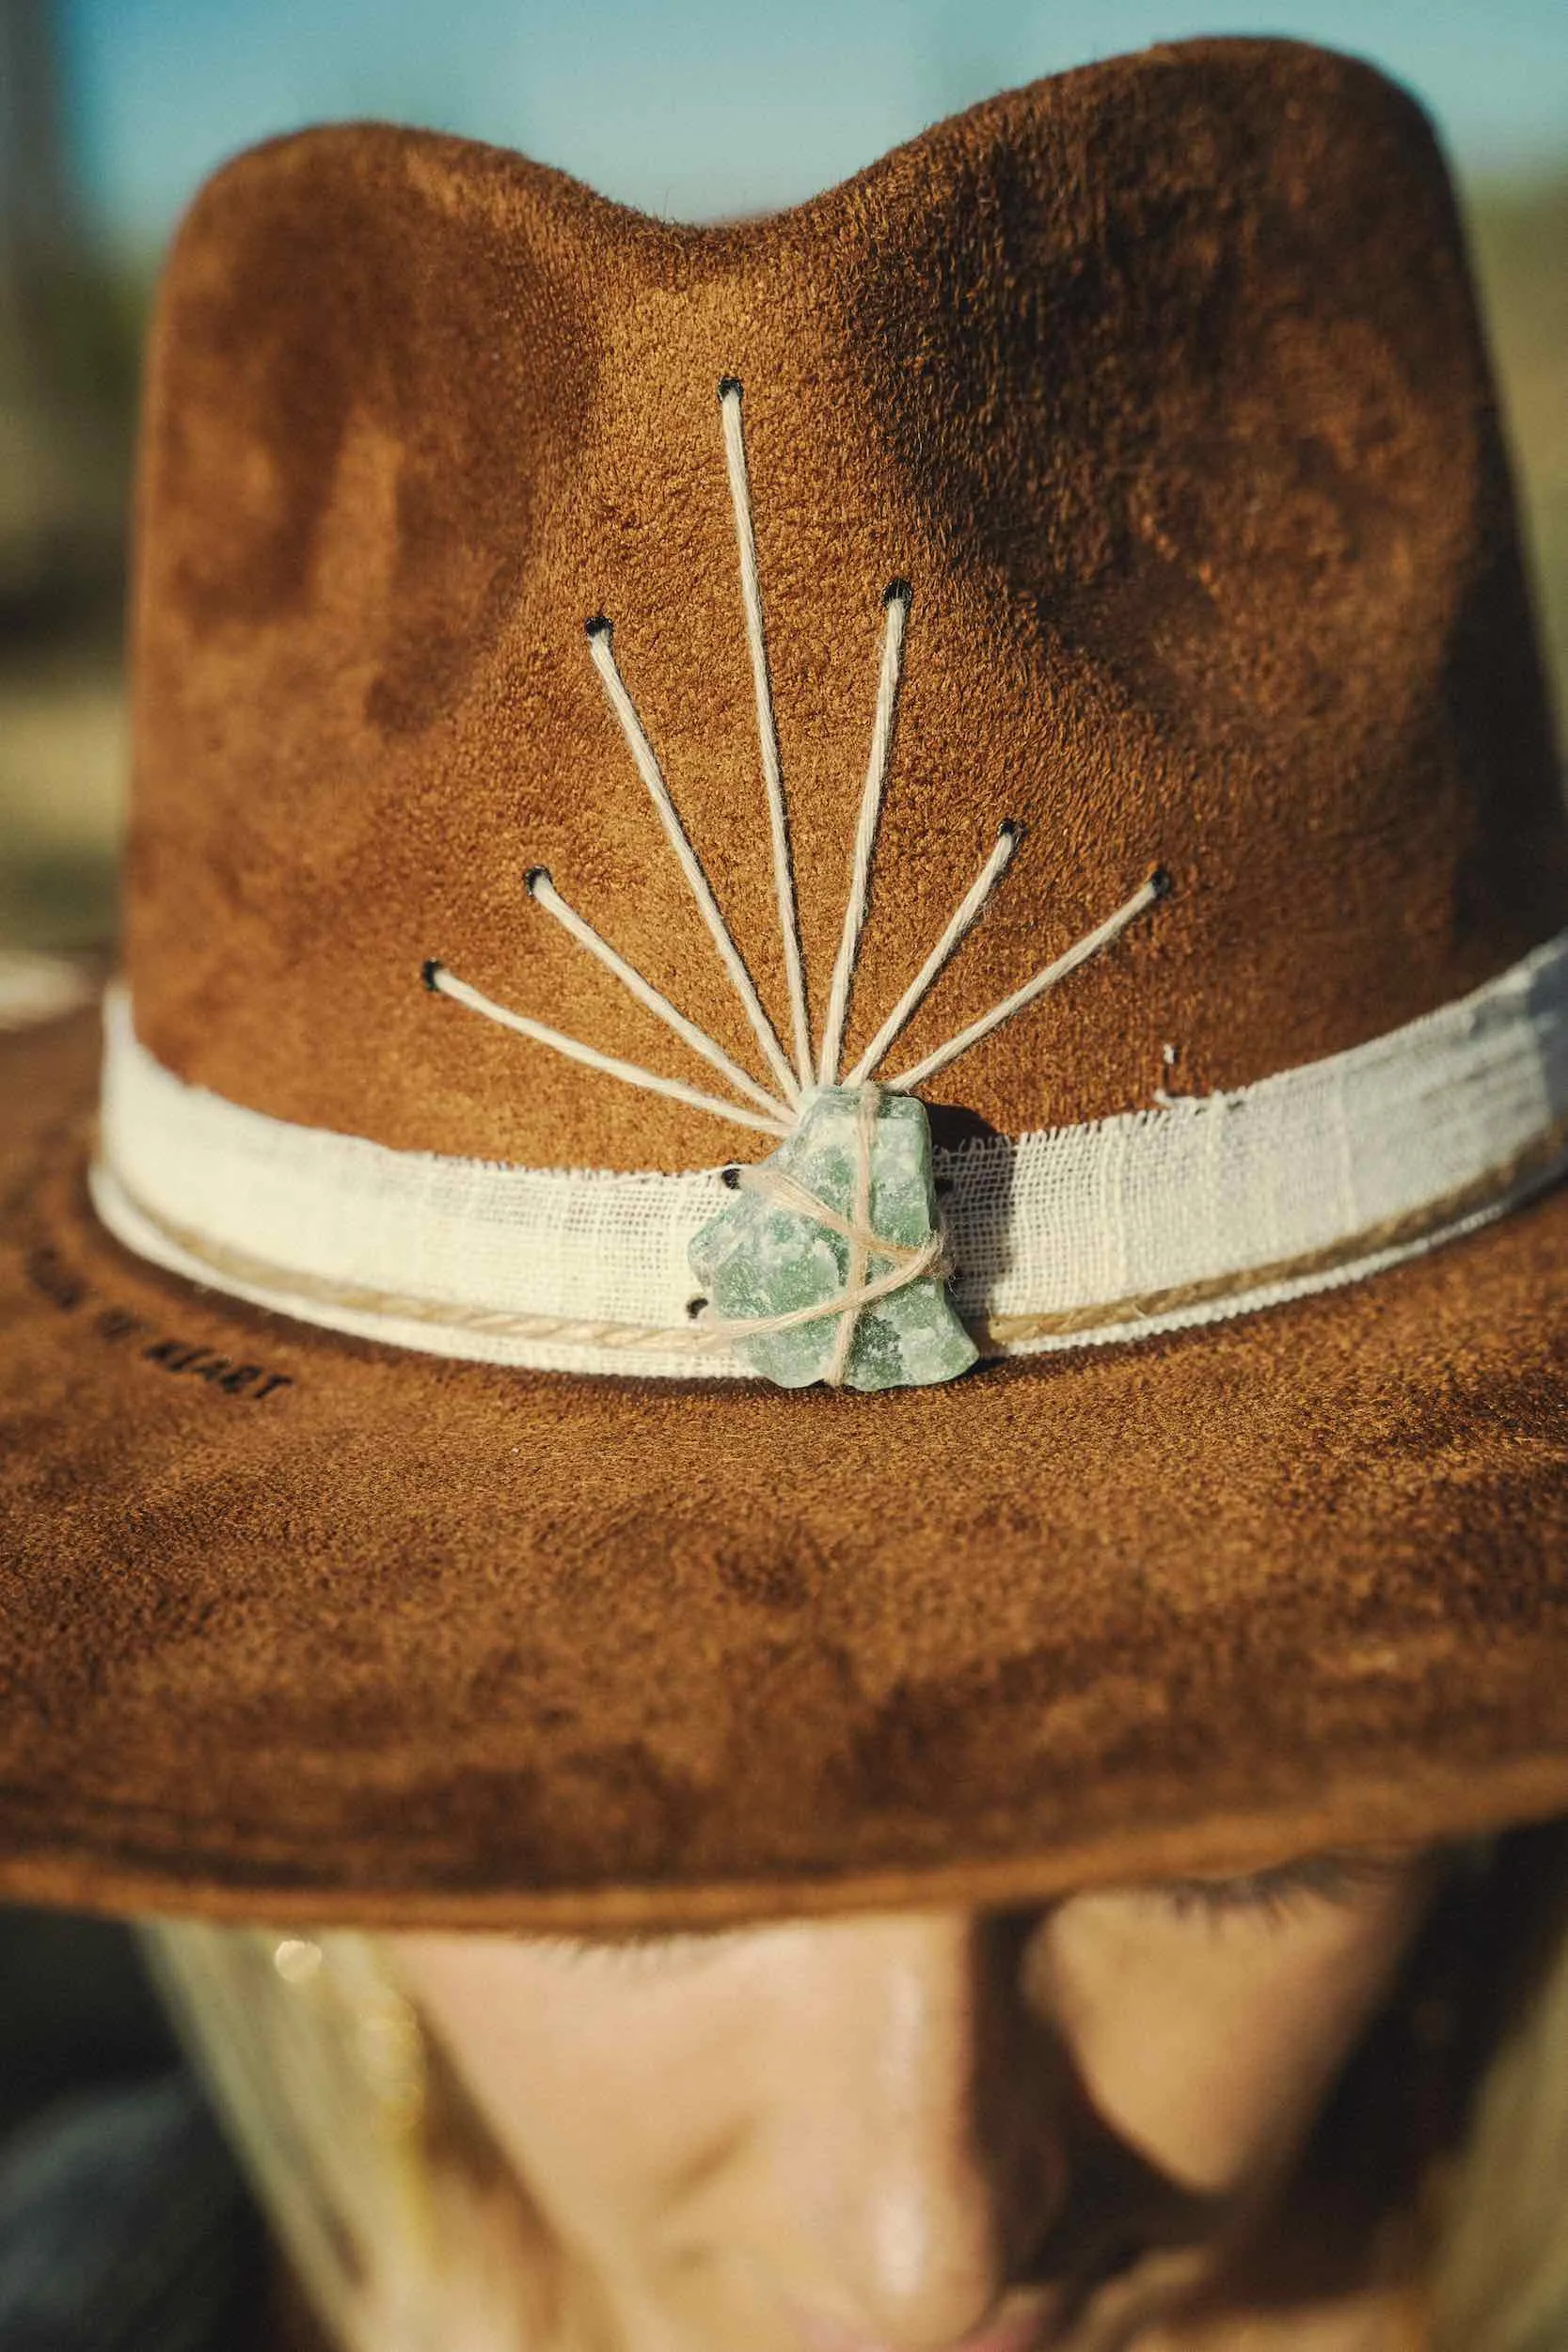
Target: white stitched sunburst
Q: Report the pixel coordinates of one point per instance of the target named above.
(829, 1262)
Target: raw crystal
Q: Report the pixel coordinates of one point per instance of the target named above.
(759, 1258)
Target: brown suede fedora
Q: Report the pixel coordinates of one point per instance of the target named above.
(828, 1154)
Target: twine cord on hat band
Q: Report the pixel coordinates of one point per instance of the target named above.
(1160, 1219)
(312, 1298)
(454, 1327)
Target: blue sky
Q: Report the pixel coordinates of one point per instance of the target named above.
(692, 107)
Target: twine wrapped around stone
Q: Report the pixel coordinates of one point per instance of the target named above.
(829, 1264)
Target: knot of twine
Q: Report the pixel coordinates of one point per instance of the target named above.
(907, 1263)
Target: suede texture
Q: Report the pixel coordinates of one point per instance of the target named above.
(1163, 386)
(413, 1641)
(1161, 383)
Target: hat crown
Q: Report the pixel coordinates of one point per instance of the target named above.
(1160, 384)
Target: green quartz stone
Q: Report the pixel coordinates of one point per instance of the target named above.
(757, 1259)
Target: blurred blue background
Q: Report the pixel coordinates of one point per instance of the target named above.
(694, 107)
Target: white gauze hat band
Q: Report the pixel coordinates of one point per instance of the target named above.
(1151, 1221)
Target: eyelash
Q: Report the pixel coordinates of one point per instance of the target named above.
(1272, 1897)
(632, 1950)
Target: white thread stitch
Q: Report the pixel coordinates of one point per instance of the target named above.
(697, 881)
(544, 894)
(1110, 930)
(446, 983)
(964, 917)
(768, 727)
(895, 610)
(794, 1083)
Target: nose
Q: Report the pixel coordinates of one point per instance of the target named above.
(912, 2128)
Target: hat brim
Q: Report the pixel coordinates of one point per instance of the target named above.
(367, 1636)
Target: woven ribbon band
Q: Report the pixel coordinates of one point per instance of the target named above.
(1151, 1221)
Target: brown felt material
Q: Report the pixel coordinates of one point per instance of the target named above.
(442, 1641)
(1162, 385)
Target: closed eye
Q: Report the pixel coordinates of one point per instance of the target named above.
(1287, 1889)
(632, 1949)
